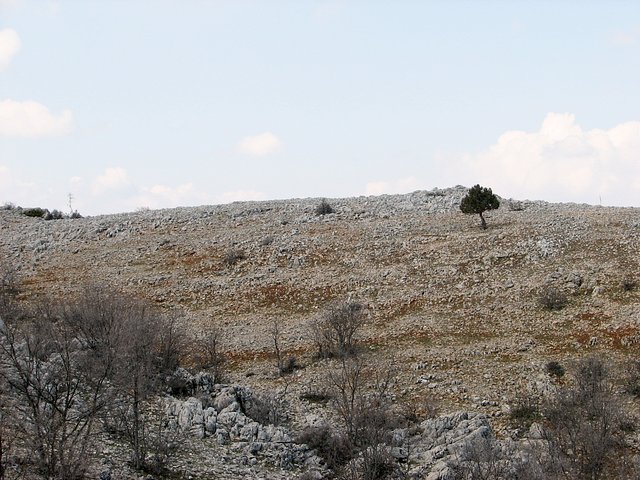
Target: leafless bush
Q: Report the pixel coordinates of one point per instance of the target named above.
(9, 287)
(552, 298)
(268, 408)
(632, 378)
(583, 422)
(163, 444)
(524, 413)
(211, 357)
(139, 347)
(360, 397)
(330, 445)
(285, 364)
(335, 332)
(55, 392)
(484, 458)
(170, 344)
(65, 369)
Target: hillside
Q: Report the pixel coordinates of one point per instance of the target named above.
(454, 307)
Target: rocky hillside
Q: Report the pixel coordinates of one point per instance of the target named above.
(455, 307)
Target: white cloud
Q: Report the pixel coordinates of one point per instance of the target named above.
(32, 119)
(164, 196)
(626, 38)
(9, 46)
(327, 10)
(258, 145)
(114, 178)
(404, 185)
(18, 190)
(240, 196)
(561, 162)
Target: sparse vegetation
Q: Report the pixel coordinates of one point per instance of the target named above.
(211, 356)
(66, 368)
(457, 326)
(332, 446)
(525, 411)
(233, 256)
(551, 298)
(324, 208)
(583, 422)
(632, 379)
(335, 331)
(477, 201)
(629, 284)
(268, 408)
(554, 369)
(34, 212)
(44, 213)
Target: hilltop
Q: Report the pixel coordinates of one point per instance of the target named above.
(456, 308)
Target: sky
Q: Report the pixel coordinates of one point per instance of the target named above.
(136, 104)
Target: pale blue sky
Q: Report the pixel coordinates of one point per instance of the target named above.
(130, 104)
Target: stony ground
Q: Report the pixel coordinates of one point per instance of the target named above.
(455, 308)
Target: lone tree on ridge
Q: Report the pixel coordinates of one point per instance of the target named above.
(478, 200)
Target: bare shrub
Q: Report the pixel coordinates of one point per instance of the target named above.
(524, 413)
(55, 390)
(484, 458)
(9, 287)
(335, 331)
(583, 422)
(632, 378)
(163, 444)
(330, 445)
(286, 364)
(170, 344)
(269, 408)
(552, 298)
(139, 345)
(211, 356)
(360, 397)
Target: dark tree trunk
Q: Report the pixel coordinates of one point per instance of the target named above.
(484, 223)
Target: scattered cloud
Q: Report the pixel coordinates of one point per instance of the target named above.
(18, 190)
(9, 46)
(240, 196)
(114, 178)
(164, 196)
(404, 185)
(31, 119)
(328, 9)
(4, 4)
(626, 38)
(561, 162)
(259, 145)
